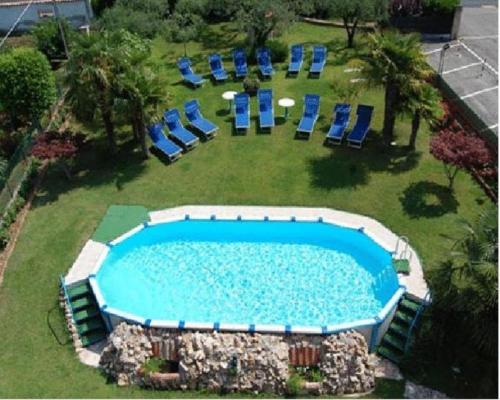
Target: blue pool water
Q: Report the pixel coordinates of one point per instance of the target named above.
(248, 272)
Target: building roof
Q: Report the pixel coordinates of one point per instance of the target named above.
(16, 3)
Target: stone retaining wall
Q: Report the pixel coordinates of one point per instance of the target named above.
(230, 362)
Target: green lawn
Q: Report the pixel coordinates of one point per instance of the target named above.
(407, 192)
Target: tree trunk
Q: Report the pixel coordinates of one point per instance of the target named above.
(451, 173)
(415, 125)
(389, 113)
(350, 28)
(141, 132)
(107, 118)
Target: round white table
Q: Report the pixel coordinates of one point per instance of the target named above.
(229, 96)
(286, 103)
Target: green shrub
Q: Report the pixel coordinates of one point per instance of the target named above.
(154, 364)
(27, 84)
(279, 51)
(4, 237)
(48, 37)
(251, 85)
(439, 7)
(294, 385)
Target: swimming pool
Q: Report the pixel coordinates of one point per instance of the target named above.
(248, 273)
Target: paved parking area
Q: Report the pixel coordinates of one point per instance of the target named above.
(470, 65)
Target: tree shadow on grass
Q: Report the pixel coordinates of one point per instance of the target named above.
(337, 171)
(94, 167)
(428, 200)
(214, 39)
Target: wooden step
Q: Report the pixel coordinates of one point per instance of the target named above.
(409, 305)
(398, 329)
(90, 325)
(82, 302)
(394, 341)
(93, 337)
(85, 314)
(78, 290)
(389, 354)
(404, 318)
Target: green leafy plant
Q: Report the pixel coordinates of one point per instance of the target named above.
(251, 85)
(153, 365)
(4, 237)
(279, 50)
(294, 384)
(27, 84)
(49, 39)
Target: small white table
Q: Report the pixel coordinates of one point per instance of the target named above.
(229, 96)
(286, 103)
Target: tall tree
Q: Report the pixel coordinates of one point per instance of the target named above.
(354, 12)
(27, 85)
(396, 62)
(259, 18)
(92, 73)
(186, 21)
(464, 310)
(144, 92)
(423, 102)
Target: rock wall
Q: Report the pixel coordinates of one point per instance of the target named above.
(230, 362)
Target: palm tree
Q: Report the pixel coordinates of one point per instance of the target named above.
(144, 92)
(90, 76)
(423, 102)
(396, 62)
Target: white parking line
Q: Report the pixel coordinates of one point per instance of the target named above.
(479, 37)
(479, 58)
(439, 49)
(479, 92)
(461, 68)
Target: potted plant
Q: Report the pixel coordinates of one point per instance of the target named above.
(251, 85)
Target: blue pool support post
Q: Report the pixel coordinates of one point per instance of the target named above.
(324, 330)
(266, 218)
(320, 219)
(106, 318)
(374, 335)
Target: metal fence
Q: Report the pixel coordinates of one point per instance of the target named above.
(15, 172)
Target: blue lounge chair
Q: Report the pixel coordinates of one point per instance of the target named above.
(196, 119)
(339, 125)
(362, 126)
(217, 68)
(296, 59)
(166, 146)
(319, 60)
(266, 110)
(242, 111)
(310, 115)
(264, 62)
(177, 130)
(187, 73)
(240, 63)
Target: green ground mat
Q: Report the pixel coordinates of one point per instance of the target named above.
(118, 220)
(401, 266)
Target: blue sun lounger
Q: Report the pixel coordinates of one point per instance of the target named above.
(296, 59)
(187, 73)
(266, 110)
(242, 111)
(318, 60)
(177, 131)
(362, 126)
(339, 125)
(216, 67)
(196, 119)
(310, 115)
(166, 146)
(240, 63)
(264, 62)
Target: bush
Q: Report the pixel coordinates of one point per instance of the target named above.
(279, 51)
(4, 237)
(251, 85)
(439, 7)
(144, 18)
(294, 385)
(219, 10)
(48, 37)
(27, 84)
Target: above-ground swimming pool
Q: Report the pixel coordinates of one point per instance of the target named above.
(267, 273)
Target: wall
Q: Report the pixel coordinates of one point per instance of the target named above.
(75, 11)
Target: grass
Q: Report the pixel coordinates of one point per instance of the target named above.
(405, 191)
